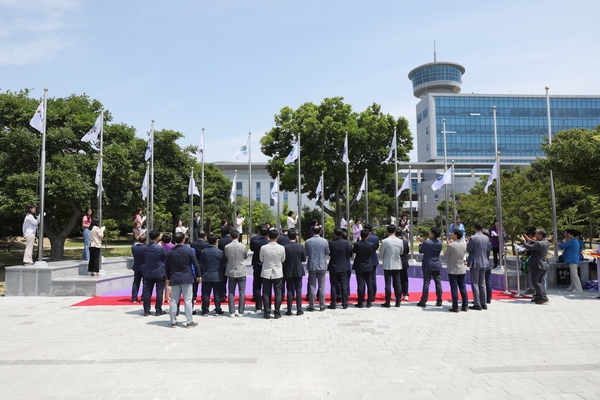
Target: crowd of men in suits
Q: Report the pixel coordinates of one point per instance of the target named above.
(277, 263)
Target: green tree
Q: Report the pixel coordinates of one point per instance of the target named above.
(322, 129)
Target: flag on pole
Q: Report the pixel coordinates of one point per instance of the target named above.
(243, 151)
(319, 189)
(148, 150)
(442, 180)
(92, 135)
(345, 151)
(363, 187)
(493, 175)
(233, 189)
(275, 190)
(201, 147)
(392, 148)
(192, 189)
(145, 186)
(293, 156)
(37, 121)
(97, 180)
(405, 185)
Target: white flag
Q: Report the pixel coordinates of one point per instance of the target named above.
(293, 156)
(92, 135)
(405, 185)
(363, 187)
(442, 180)
(192, 189)
(37, 121)
(243, 151)
(201, 147)
(392, 147)
(275, 190)
(148, 150)
(97, 180)
(233, 189)
(319, 190)
(345, 151)
(493, 175)
(145, 186)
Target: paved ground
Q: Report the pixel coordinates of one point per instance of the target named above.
(515, 350)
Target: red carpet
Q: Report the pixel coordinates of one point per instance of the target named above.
(380, 298)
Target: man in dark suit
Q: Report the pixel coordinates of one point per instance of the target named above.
(210, 263)
(198, 246)
(154, 273)
(224, 241)
(340, 254)
(363, 268)
(477, 262)
(374, 239)
(293, 271)
(137, 250)
(431, 265)
(255, 244)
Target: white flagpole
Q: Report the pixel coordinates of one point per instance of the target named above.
(278, 209)
(299, 195)
(101, 187)
(201, 225)
(453, 196)
(191, 205)
(446, 186)
(347, 181)
(147, 202)
(40, 261)
(396, 177)
(499, 209)
(150, 215)
(322, 204)
(366, 196)
(235, 194)
(249, 187)
(410, 226)
(552, 192)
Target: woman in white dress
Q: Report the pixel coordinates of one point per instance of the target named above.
(291, 221)
(30, 224)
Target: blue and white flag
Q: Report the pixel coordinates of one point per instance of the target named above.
(233, 192)
(37, 121)
(92, 135)
(148, 150)
(392, 147)
(363, 187)
(405, 185)
(97, 180)
(293, 156)
(243, 151)
(192, 189)
(345, 151)
(493, 175)
(442, 180)
(145, 185)
(275, 190)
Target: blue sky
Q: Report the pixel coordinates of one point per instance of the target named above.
(230, 66)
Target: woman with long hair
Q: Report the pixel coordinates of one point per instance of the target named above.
(30, 224)
(96, 235)
(86, 221)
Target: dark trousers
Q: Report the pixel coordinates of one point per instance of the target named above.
(268, 286)
(294, 290)
(195, 286)
(339, 287)
(404, 280)
(537, 278)
(207, 288)
(374, 277)
(437, 278)
(363, 277)
(488, 286)
(392, 277)
(241, 284)
(135, 287)
(495, 252)
(223, 282)
(457, 283)
(149, 284)
(257, 286)
(94, 263)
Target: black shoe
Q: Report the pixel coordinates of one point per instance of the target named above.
(322, 308)
(453, 310)
(299, 312)
(277, 315)
(345, 307)
(310, 309)
(332, 307)
(438, 303)
(146, 314)
(161, 312)
(478, 308)
(419, 304)
(465, 309)
(541, 301)
(174, 325)
(219, 312)
(358, 305)
(369, 305)
(386, 305)
(288, 312)
(191, 324)
(267, 316)
(484, 307)
(397, 304)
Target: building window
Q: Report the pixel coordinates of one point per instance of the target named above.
(425, 113)
(285, 197)
(238, 189)
(271, 202)
(257, 191)
(427, 130)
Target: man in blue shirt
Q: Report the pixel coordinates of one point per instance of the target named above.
(459, 226)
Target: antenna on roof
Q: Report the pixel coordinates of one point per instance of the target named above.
(434, 55)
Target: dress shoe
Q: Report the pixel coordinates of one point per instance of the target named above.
(146, 314)
(438, 303)
(289, 312)
(204, 313)
(322, 308)
(191, 324)
(465, 309)
(541, 301)
(267, 316)
(277, 315)
(369, 305)
(419, 304)
(299, 312)
(310, 309)
(358, 305)
(161, 312)
(478, 308)
(453, 309)
(174, 325)
(397, 304)
(345, 307)
(484, 307)
(219, 312)
(386, 305)
(331, 307)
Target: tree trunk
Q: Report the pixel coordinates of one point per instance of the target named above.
(57, 240)
(57, 247)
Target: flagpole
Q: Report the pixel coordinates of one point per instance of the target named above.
(40, 261)
(150, 215)
(322, 205)
(249, 186)
(278, 206)
(396, 177)
(499, 208)
(299, 195)
(410, 226)
(366, 196)
(191, 204)
(552, 192)
(347, 181)
(147, 200)
(446, 186)
(453, 196)
(201, 225)
(101, 186)
(235, 195)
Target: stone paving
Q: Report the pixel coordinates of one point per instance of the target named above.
(515, 350)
